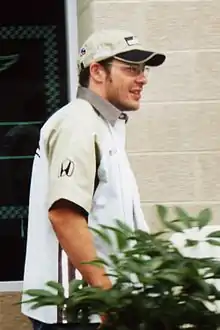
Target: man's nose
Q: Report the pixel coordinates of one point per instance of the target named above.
(142, 78)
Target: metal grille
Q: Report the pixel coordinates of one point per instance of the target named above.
(51, 77)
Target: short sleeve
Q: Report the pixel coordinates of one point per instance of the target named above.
(72, 165)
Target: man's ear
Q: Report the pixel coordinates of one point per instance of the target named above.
(97, 72)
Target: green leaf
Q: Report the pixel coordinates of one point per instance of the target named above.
(173, 226)
(37, 305)
(204, 286)
(103, 235)
(42, 299)
(169, 277)
(133, 267)
(155, 263)
(97, 262)
(74, 285)
(28, 301)
(120, 235)
(213, 242)
(47, 302)
(180, 212)
(159, 233)
(183, 216)
(122, 242)
(114, 259)
(38, 293)
(214, 234)
(191, 242)
(125, 228)
(57, 286)
(204, 218)
(162, 212)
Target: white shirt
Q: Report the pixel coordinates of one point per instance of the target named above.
(85, 137)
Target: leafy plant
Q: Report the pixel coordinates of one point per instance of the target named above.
(155, 286)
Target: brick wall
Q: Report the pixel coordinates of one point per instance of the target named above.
(173, 142)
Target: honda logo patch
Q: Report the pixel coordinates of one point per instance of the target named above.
(67, 168)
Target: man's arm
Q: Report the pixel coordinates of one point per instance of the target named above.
(70, 225)
(72, 169)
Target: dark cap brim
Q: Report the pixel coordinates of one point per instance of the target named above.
(142, 56)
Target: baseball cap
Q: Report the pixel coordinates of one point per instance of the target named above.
(120, 44)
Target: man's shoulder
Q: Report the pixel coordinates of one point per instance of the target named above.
(75, 108)
(76, 112)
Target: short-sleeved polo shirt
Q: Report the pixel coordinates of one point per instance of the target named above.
(81, 157)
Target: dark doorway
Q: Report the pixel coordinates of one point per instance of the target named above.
(33, 85)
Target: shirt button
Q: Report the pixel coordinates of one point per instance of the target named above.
(123, 116)
(112, 152)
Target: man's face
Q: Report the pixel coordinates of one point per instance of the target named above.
(124, 84)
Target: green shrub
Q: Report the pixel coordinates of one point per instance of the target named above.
(155, 286)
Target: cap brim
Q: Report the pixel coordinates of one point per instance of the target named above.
(142, 56)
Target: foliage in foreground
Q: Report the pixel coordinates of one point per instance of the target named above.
(155, 286)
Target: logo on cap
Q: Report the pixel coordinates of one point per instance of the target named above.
(131, 41)
(67, 168)
(82, 51)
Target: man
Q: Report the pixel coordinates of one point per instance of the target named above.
(81, 174)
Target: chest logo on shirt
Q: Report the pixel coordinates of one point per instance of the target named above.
(67, 168)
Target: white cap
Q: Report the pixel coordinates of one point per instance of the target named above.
(122, 45)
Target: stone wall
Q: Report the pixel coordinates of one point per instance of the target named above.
(173, 141)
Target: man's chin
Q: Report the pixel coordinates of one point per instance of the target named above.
(128, 106)
(133, 106)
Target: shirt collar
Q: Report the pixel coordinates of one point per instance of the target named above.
(105, 108)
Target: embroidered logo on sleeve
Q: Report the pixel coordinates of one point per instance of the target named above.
(67, 168)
